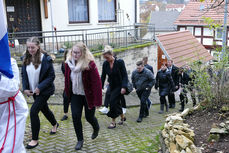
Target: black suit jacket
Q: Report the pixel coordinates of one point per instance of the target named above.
(175, 75)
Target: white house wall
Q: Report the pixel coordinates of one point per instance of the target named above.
(208, 32)
(61, 20)
(207, 41)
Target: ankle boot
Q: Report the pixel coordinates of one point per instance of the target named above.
(79, 145)
(161, 109)
(166, 107)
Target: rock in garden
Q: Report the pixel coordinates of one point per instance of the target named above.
(188, 150)
(185, 112)
(222, 125)
(183, 141)
(174, 119)
(172, 147)
(218, 131)
(189, 135)
(165, 134)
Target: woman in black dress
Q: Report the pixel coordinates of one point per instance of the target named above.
(117, 78)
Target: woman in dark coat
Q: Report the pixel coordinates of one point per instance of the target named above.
(165, 84)
(118, 80)
(37, 78)
(83, 87)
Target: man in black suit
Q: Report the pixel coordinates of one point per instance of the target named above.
(174, 72)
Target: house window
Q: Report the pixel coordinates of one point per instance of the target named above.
(106, 10)
(78, 11)
(219, 34)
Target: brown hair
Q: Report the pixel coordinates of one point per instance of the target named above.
(37, 57)
(145, 58)
(139, 63)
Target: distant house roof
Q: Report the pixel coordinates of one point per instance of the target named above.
(182, 47)
(164, 20)
(194, 12)
(170, 6)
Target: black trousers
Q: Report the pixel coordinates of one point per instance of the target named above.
(115, 104)
(65, 102)
(163, 102)
(171, 98)
(77, 104)
(183, 98)
(143, 95)
(40, 104)
(107, 99)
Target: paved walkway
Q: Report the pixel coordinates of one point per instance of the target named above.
(130, 137)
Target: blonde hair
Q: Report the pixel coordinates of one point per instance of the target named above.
(85, 58)
(108, 50)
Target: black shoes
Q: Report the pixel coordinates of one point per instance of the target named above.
(79, 145)
(139, 120)
(51, 133)
(95, 134)
(31, 147)
(65, 117)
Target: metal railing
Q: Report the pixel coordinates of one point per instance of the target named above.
(58, 41)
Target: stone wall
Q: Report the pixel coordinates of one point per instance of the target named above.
(129, 56)
(177, 136)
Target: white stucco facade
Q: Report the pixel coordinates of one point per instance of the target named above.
(60, 16)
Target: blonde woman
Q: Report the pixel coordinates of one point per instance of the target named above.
(117, 77)
(83, 86)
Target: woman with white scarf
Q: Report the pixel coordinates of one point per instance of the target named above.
(83, 87)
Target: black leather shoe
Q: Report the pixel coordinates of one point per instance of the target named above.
(65, 117)
(79, 145)
(95, 134)
(51, 133)
(31, 147)
(139, 120)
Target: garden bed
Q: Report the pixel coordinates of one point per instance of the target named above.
(202, 121)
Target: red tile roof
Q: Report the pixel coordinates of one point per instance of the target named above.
(193, 15)
(182, 47)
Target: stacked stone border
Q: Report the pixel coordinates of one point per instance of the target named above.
(176, 136)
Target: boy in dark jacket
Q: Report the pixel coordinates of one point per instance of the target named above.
(143, 81)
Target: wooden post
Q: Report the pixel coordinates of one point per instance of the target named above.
(46, 8)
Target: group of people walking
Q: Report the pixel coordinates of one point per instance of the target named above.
(170, 79)
(84, 86)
